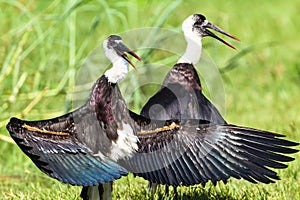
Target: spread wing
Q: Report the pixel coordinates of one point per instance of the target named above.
(56, 148)
(80, 148)
(188, 153)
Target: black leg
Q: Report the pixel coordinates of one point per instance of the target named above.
(84, 193)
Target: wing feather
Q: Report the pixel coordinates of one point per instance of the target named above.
(195, 154)
(63, 157)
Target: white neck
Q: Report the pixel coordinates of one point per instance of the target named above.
(120, 66)
(194, 45)
(118, 71)
(193, 51)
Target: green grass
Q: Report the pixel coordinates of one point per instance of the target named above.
(44, 45)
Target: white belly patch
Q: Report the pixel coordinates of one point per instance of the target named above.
(125, 145)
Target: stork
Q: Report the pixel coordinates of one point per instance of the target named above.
(102, 141)
(82, 147)
(183, 79)
(180, 96)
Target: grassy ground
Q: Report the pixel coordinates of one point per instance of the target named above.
(43, 46)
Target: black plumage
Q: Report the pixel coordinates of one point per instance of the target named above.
(195, 152)
(82, 147)
(184, 152)
(181, 97)
(76, 148)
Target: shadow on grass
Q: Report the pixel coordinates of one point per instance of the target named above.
(190, 193)
(204, 195)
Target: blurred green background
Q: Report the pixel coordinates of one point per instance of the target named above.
(44, 44)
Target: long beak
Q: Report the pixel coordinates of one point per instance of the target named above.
(122, 50)
(211, 34)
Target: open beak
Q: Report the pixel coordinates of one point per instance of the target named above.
(211, 34)
(121, 49)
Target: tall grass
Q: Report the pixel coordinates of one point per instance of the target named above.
(44, 45)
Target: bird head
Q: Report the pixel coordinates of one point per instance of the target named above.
(114, 48)
(197, 26)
